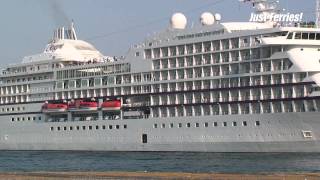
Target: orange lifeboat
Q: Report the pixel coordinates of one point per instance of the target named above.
(51, 107)
(80, 105)
(112, 105)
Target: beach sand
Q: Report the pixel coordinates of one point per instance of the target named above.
(153, 175)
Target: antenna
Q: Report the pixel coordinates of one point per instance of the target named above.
(318, 13)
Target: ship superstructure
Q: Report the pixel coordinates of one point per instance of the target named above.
(218, 87)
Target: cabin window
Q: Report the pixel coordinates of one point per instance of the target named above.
(312, 36)
(318, 36)
(144, 138)
(298, 36)
(58, 128)
(51, 129)
(110, 127)
(188, 125)
(206, 124)
(65, 128)
(70, 128)
(180, 125)
(12, 119)
(304, 35)
(215, 124)
(78, 128)
(171, 125)
(244, 123)
(163, 126)
(234, 123)
(117, 127)
(103, 127)
(290, 36)
(90, 127)
(83, 127)
(125, 126)
(197, 125)
(155, 126)
(97, 127)
(225, 124)
(307, 134)
(257, 123)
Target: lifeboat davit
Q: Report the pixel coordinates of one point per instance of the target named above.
(114, 105)
(80, 105)
(52, 108)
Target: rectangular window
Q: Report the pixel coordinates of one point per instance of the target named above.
(155, 126)
(307, 134)
(117, 127)
(110, 126)
(234, 123)
(71, 128)
(90, 127)
(171, 125)
(58, 128)
(163, 126)
(304, 35)
(224, 124)
(312, 36)
(51, 129)
(244, 123)
(84, 127)
(103, 127)
(215, 124)
(78, 127)
(257, 123)
(64, 128)
(125, 126)
(188, 125)
(97, 127)
(180, 125)
(206, 124)
(197, 125)
(298, 36)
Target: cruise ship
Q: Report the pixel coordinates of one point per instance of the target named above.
(215, 87)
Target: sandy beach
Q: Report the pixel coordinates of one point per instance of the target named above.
(153, 175)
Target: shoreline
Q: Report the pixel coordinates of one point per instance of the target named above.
(155, 175)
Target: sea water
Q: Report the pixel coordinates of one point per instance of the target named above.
(31, 161)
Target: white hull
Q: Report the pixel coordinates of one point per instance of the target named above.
(277, 133)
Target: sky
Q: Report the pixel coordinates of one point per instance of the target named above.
(112, 26)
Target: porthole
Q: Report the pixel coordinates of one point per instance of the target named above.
(78, 128)
(110, 126)
(103, 127)
(65, 128)
(51, 129)
(70, 128)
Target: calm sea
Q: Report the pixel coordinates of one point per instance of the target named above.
(26, 161)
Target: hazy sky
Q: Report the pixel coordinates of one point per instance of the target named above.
(112, 26)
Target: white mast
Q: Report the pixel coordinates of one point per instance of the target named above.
(265, 7)
(318, 13)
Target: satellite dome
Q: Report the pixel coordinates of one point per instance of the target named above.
(217, 17)
(207, 19)
(178, 21)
